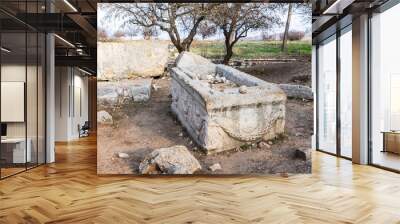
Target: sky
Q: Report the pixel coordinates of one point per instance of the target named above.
(114, 25)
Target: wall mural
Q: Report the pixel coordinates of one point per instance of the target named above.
(205, 88)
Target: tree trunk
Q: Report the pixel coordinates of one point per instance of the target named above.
(228, 55)
(286, 33)
(181, 46)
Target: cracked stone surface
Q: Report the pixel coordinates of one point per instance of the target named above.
(123, 91)
(131, 59)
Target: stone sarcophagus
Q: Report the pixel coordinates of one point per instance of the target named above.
(222, 108)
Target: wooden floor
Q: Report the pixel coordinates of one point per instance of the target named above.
(386, 159)
(69, 191)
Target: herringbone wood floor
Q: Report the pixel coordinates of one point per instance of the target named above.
(69, 191)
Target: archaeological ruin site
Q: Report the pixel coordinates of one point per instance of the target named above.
(185, 114)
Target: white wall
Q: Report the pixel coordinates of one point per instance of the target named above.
(62, 82)
(70, 83)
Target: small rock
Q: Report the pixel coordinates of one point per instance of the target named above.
(123, 155)
(298, 134)
(253, 145)
(223, 79)
(180, 134)
(103, 117)
(270, 143)
(156, 87)
(243, 89)
(263, 145)
(215, 167)
(172, 160)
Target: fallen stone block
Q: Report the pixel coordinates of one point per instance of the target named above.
(222, 115)
(172, 160)
(297, 91)
(131, 59)
(124, 91)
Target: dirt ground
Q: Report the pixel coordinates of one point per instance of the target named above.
(141, 127)
(296, 72)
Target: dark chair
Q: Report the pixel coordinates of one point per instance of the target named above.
(84, 130)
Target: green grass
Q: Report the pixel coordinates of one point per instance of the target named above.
(252, 49)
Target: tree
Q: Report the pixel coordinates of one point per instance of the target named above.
(236, 20)
(179, 20)
(207, 29)
(303, 10)
(149, 32)
(286, 32)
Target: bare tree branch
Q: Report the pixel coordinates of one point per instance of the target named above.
(236, 20)
(179, 20)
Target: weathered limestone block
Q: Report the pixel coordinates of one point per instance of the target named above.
(297, 91)
(219, 117)
(125, 91)
(172, 160)
(131, 59)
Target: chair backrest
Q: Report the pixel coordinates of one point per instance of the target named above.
(86, 125)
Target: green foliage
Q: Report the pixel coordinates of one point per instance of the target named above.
(252, 49)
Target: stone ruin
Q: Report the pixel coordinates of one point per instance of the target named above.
(223, 108)
(123, 91)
